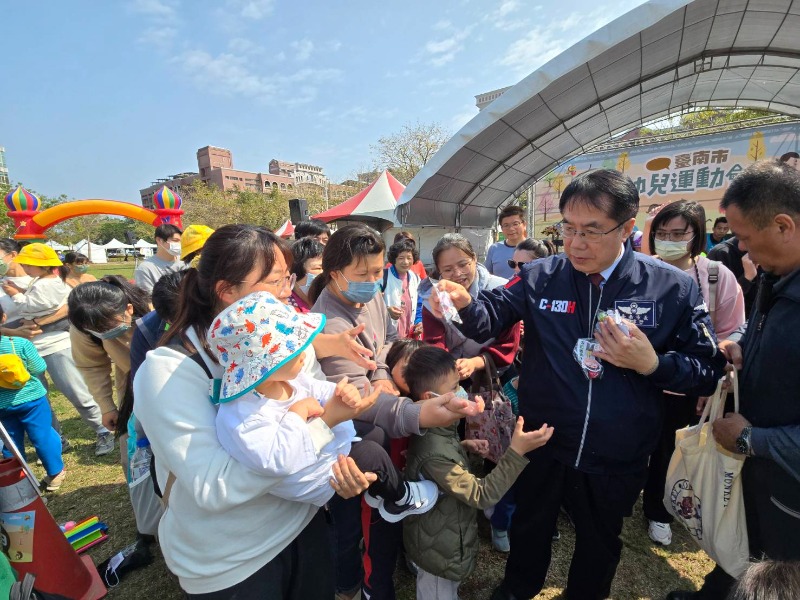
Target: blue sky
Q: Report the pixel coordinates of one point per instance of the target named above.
(101, 98)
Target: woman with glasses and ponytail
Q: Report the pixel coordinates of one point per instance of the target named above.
(678, 237)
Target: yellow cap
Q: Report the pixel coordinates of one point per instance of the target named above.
(38, 255)
(13, 374)
(193, 238)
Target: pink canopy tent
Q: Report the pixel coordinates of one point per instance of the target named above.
(286, 230)
(374, 205)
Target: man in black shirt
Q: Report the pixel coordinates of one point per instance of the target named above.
(730, 255)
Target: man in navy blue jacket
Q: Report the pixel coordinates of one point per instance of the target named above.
(763, 206)
(606, 424)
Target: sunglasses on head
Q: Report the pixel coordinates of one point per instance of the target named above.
(518, 265)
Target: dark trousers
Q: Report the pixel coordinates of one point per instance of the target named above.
(679, 411)
(382, 543)
(772, 531)
(381, 539)
(371, 456)
(597, 505)
(302, 571)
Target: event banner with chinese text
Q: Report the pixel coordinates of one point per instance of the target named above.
(699, 168)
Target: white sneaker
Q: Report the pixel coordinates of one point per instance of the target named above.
(105, 444)
(660, 533)
(422, 497)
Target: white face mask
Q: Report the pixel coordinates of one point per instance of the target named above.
(174, 248)
(672, 250)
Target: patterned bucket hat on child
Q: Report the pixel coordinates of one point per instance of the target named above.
(253, 338)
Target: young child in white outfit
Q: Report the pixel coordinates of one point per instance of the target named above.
(273, 418)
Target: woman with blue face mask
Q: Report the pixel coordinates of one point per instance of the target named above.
(103, 314)
(348, 292)
(307, 264)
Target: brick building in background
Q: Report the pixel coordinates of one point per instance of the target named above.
(215, 167)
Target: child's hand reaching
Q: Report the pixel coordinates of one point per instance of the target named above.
(347, 393)
(480, 447)
(523, 442)
(336, 411)
(306, 409)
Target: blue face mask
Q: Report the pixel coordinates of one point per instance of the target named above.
(111, 334)
(460, 393)
(305, 287)
(360, 292)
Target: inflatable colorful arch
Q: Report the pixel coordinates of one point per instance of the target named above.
(32, 223)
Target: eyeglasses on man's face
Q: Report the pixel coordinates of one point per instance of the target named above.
(512, 225)
(593, 237)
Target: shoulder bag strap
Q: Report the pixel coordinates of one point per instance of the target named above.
(713, 279)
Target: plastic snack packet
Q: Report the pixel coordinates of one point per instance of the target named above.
(614, 315)
(449, 311)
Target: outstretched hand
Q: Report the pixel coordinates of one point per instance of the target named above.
(345, 345)
(458, 294)
(523, 442)
(447, 409)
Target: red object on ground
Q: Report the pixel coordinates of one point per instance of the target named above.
(48, 556)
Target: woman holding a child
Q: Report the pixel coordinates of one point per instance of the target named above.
(224, 533)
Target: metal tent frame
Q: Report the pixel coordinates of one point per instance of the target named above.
(658, 59)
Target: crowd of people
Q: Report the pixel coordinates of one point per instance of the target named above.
(305, 401)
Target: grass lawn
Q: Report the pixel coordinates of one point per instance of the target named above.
(114, 268)
(96, 486)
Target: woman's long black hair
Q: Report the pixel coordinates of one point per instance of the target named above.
(96, 305)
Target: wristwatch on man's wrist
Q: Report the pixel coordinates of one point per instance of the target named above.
(743, 442)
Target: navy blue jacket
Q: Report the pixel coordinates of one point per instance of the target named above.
(149, 330)
(608, 425)
(769, 385)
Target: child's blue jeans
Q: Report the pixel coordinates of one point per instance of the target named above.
(35, 419)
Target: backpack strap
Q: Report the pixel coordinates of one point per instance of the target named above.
(713, 279)
(385, 278)
(195, 356)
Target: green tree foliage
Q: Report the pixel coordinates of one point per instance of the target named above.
(115, 228)
(205, 204)
(709, 117)
(407, 151)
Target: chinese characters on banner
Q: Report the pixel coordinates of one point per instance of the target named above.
(697, 168)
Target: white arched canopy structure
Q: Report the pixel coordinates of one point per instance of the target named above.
(660, 58)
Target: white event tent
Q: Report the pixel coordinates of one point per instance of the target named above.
(661, 58)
